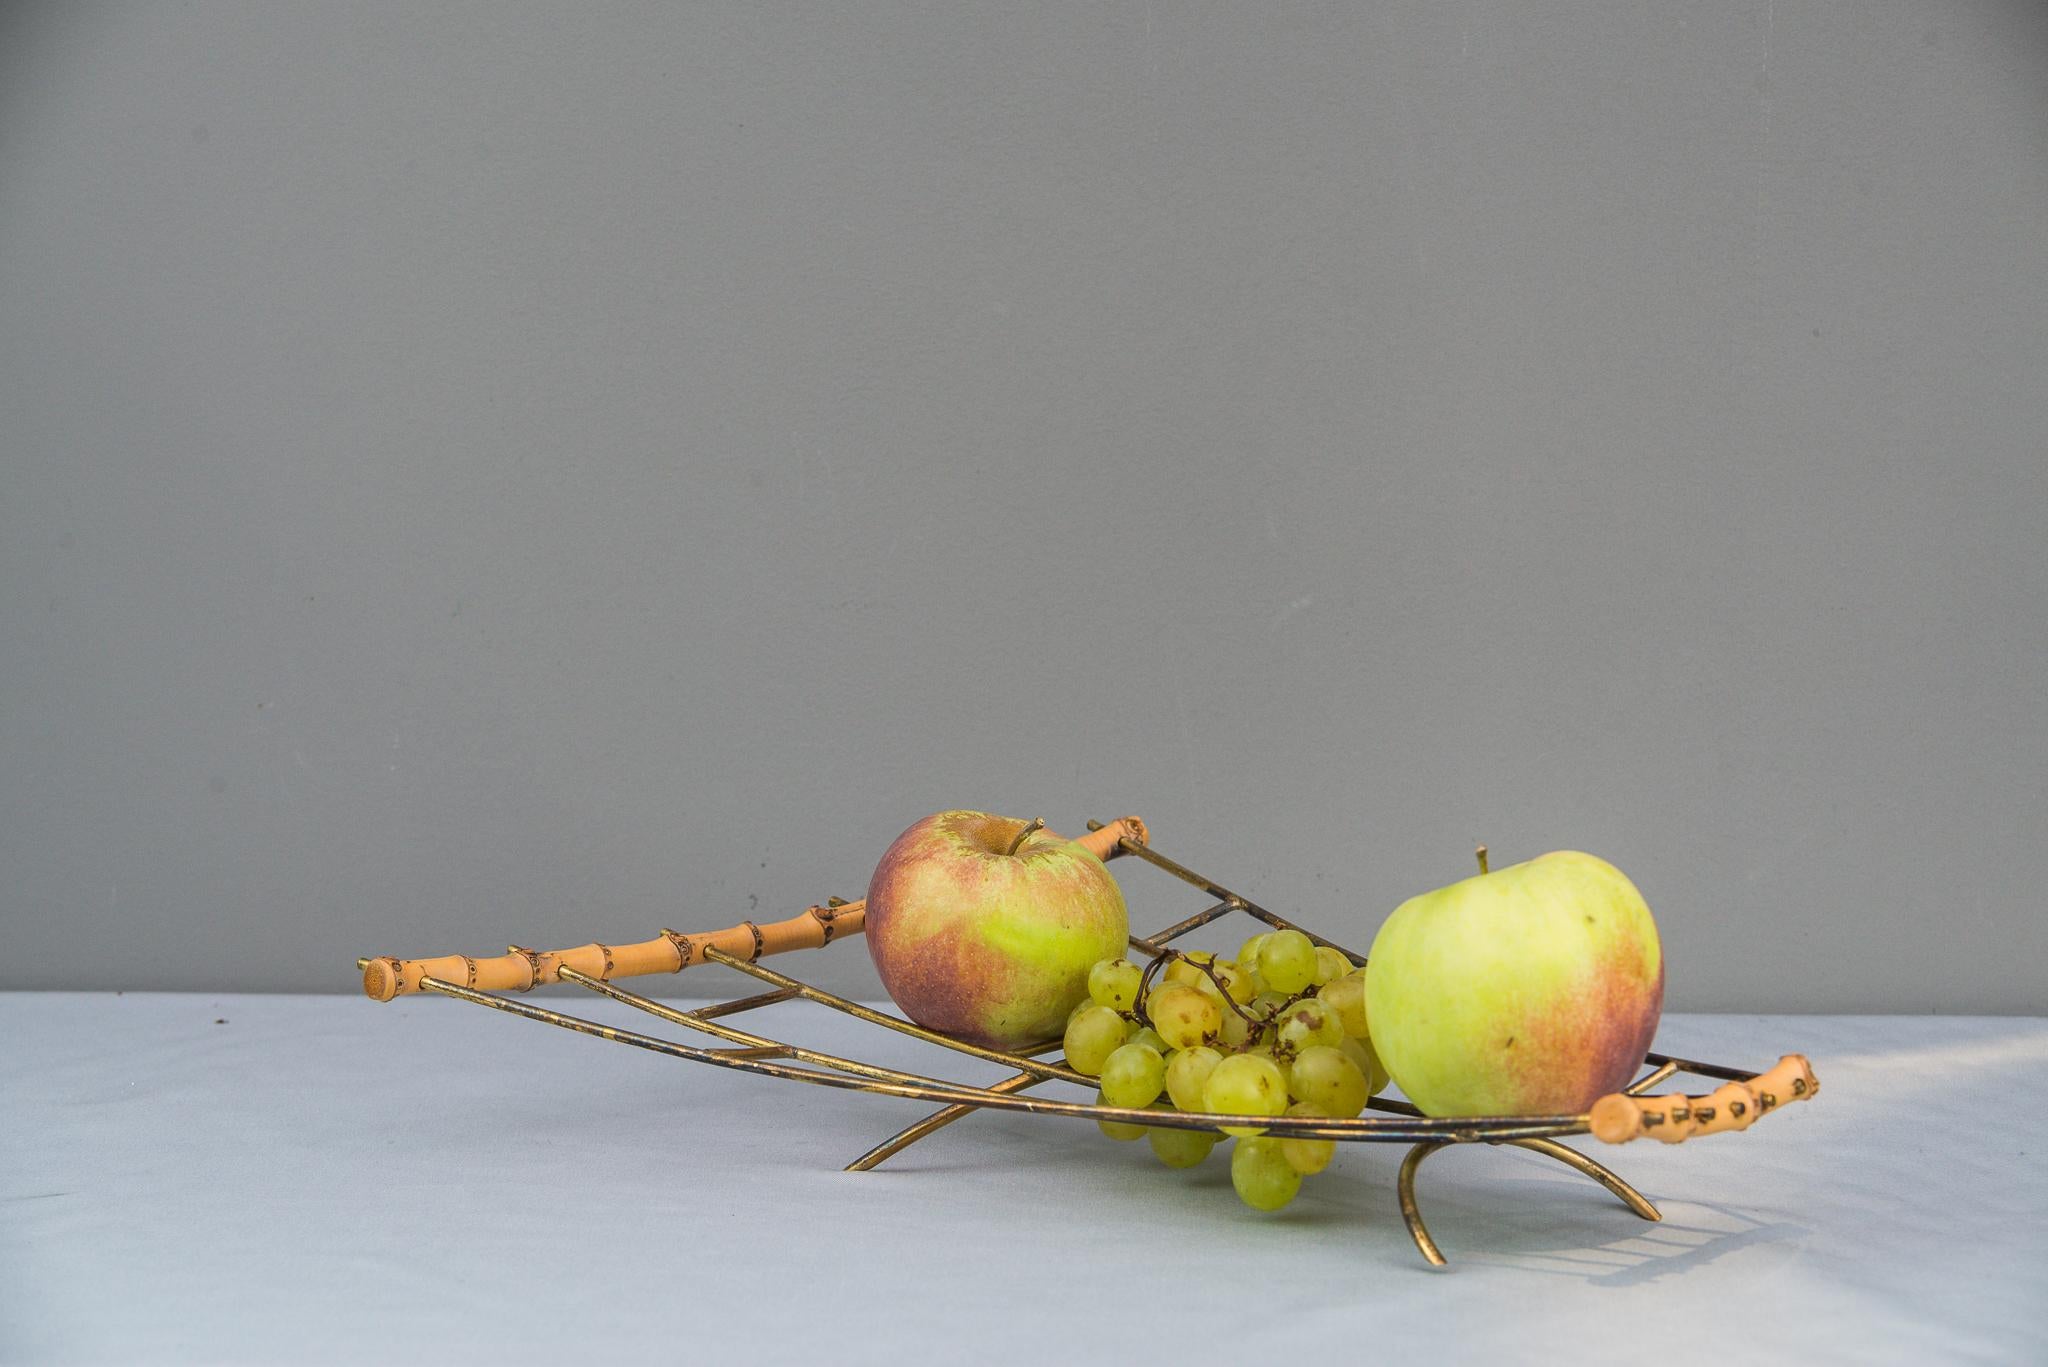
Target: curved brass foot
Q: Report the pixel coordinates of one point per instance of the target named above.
(1549, 1148)
(1409, 1212)
(1572, 1158)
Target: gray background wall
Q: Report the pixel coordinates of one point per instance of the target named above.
(512, 471)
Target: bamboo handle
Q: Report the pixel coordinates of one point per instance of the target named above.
(521, 970)
(1673, 1119)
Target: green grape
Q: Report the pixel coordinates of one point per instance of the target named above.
(1187, 968)
(1180, 1148)
(1307, 1023)
(1264, 1179)
(1346, 996)
(1133, 1076)
(1328, 1081)
(1183, 1016)
(1114, 983)
(1234, 1029)
(1287, 961)
(1362, 1054)
(1332, 1029)
(1245, 1084)
(1293, 1036)
(1117, 1129)
(1268, 1004)
(1092, 1036)
(1145, 1034)
(1079, 1007)
(1331, 965)
(1186, 1072)
(1248, 952)
(1307, 1156)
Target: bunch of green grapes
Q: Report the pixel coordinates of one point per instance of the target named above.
(1279, 1030)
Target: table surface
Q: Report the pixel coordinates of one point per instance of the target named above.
(261, 1178)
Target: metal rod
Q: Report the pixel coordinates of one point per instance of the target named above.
(901, 1027)
(1155, 943)
(1686, 1065)
(1285, 1126)
(733, 1008)
(755, 1046)
(1649, 1080)
(1218, 891)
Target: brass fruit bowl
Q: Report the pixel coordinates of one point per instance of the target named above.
(1739, 1102)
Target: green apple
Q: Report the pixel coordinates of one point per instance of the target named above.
(984, 927)
(1532, 990)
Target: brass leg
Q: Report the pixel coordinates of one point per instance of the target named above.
(1409, 1212)
(1549, 1148)
(1572, 1158)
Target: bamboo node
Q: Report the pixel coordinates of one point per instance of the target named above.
(532, 958)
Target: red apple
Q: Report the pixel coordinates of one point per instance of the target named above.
(984, 927)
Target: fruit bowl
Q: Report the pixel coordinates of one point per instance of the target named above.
(1743, 1097)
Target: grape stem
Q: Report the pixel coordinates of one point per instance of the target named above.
(1207, 966)
(1138, 1012)
(1257, 1024)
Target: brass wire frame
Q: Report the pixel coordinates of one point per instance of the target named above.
(748, 1051)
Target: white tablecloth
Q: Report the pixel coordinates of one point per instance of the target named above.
(193, 1178)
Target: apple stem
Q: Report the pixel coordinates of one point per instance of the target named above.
(1034, 824)
(1482, 858)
